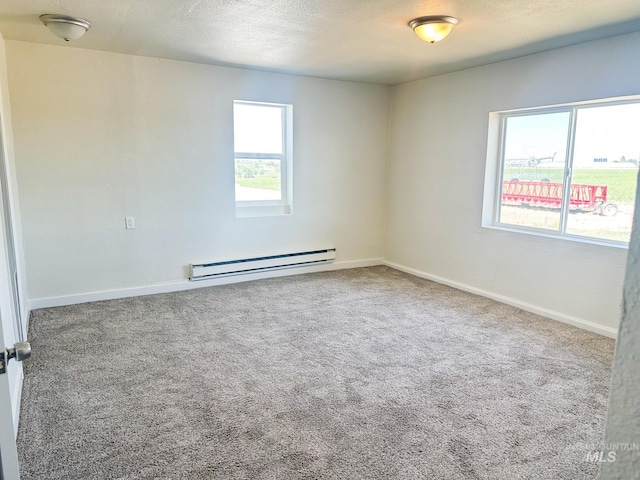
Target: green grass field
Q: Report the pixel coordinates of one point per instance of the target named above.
(269, 182)
(258, 174)
(621, 183)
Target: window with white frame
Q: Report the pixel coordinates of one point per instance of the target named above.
(569, 170)
(262, 157)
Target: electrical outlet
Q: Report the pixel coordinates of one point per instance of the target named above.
(130, 221)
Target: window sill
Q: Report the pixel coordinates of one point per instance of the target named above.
(570, 238)
(250, 211)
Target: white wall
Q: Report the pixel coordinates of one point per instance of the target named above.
(437, 166)
(100, 136)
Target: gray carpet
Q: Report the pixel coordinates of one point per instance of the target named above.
(358, 374)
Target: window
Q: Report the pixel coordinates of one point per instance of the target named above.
(262, 156)
(569, 171)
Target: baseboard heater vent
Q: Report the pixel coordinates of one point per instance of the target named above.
(203, 271)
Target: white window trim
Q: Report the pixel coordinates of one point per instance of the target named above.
(258, 208)
(494, 171)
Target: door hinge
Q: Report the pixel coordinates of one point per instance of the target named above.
(3, 363)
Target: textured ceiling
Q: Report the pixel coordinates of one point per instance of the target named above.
(358, 40)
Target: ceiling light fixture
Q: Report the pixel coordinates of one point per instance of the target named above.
(434, 28)
(65, 27)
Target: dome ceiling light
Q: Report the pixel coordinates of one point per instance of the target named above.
(433, 28)
(66, 27)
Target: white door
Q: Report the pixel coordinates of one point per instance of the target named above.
(11, 249)
(8, 452)
(11, 369)
(10, 333)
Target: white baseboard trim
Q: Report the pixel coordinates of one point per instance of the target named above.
(15, 401)
(187, 285)
(545, 312)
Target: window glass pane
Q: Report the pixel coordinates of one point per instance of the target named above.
(605, 172)
(533, 170)
(258, 180)
(257, 128)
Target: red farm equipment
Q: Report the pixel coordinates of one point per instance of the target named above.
(549, 194)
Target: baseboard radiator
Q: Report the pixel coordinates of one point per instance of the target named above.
(204, 271)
